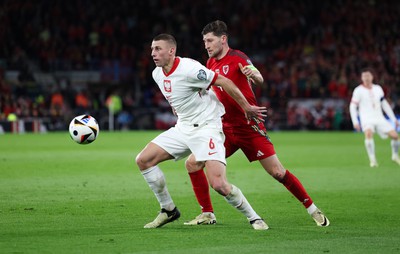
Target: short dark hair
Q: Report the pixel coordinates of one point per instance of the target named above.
(166, 37)
(217, 27)
(367, 69)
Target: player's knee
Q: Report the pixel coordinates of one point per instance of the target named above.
(142, 162)
(138, 160)
(393, 135)
(279, 176)
(368, 134)
(277, 172)
(191, 166)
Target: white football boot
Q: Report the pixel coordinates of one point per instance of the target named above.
(163, 218)
(206, 218)
(396, 159)
(320, 218)
(259, 224)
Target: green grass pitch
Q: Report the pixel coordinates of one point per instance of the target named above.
(61, 197)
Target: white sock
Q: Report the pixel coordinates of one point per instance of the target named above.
(312, 208)
(395, 147)
(156, 181)
(370, 146)
(239, 201)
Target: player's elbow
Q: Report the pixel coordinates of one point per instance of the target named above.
(259, 83)
(261, 80)
(222, 81)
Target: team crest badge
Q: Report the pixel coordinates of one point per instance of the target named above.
(167, 86)
(225, 69)
(202, 75)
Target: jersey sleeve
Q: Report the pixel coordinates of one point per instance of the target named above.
(356, 97)
(201, 77)
(382, 94)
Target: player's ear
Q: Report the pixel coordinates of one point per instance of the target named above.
(224, 38)
(172, 50)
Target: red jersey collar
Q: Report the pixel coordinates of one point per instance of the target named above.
(227, 53)
(174, 66)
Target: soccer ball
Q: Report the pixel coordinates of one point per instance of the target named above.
(84, 129)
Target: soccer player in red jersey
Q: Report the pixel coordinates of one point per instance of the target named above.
(249, 136)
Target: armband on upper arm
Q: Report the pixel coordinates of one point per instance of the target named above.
(252, 67)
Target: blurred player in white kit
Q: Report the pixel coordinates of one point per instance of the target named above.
(367, 102)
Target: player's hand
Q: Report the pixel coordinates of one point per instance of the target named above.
(256, 112)
(247, 72)
(357, 127)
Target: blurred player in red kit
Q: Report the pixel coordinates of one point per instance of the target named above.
(249, 136)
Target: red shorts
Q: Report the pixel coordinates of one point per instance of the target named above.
(254, 145)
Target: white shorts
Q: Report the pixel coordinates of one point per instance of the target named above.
(382, 127)
(206, 142)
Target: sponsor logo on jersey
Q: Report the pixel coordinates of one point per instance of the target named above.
(259, 153)
(225, 69)
(202, 75)
(167, 86)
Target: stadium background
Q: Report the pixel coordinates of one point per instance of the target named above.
(59, 59)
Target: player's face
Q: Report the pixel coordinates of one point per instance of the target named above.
(367, 77)
(162, 52)
(213, 44)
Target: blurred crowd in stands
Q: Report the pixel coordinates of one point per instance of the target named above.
(305, 50)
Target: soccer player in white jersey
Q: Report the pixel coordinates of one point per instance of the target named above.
(367, 103)
(185, 84)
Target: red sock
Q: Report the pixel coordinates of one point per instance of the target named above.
(296, 188)
(201, 190)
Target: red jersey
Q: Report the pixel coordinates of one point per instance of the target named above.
(228, 66)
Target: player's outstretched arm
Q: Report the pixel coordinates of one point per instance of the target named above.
(249, 110)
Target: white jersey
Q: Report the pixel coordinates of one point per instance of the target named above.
(369, 103)
(186, 88)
